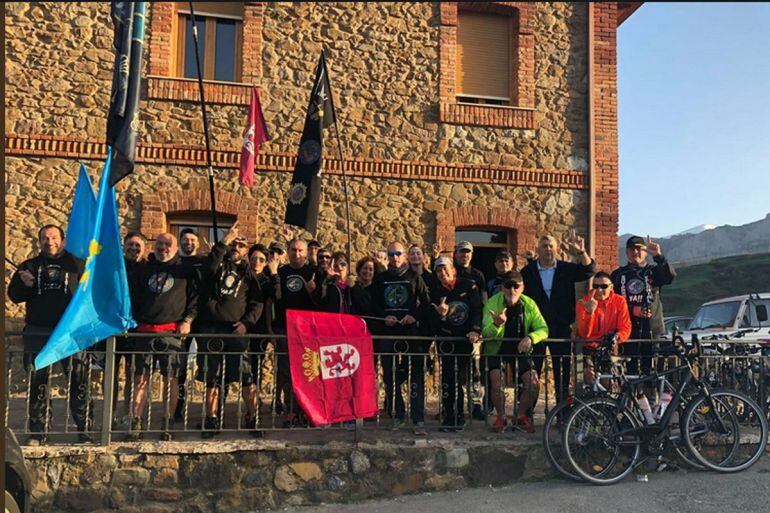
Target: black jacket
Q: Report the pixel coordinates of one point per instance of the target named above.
(559, 310)
(465, 312)
(232, 292)
(399, 293)
(163, 292)
(291, 292)
(56, 280)
(640, 286)
(361, 299)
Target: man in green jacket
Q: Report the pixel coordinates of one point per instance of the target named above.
(511, 326)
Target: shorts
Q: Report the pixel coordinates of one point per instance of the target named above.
(161, 351)
(520, 363)
(213, 356)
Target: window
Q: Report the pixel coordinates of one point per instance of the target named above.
(220, 40)
(483, 69)
(201, 223)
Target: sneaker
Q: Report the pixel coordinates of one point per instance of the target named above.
(525, 423)
(251, 423)
(500, 423)
(396, 425)
(419, 429)
(85, 438)
(134, 430)
(36, 439)
(210, 428)
(167, 425)
(478, 413)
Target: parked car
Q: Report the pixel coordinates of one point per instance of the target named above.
(682, 322)
(738, 317)
(18, 484)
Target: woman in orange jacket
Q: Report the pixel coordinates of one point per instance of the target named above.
(602, 312)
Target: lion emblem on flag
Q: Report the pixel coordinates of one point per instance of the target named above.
(339, 361)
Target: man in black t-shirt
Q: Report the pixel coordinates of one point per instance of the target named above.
(46, 284)
(297, 282)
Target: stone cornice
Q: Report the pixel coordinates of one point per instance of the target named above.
(181, 155)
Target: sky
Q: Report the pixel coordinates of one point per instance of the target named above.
(693, 116)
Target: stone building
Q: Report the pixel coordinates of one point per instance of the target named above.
(494, 122)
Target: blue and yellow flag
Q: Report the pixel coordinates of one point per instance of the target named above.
(80, 227)
(101, 306)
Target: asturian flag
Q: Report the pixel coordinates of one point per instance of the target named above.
(101, 306)
(305, 191)
(81, 223)
(332, 366)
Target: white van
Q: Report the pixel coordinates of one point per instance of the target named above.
(738, 317)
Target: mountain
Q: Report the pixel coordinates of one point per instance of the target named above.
(708, 244)
(695, 230)
(722, 277)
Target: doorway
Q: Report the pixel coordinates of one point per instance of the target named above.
(486, 244)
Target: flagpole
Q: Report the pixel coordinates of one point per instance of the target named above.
(342, 163)
(205, 127)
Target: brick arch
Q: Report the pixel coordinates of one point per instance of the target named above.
(156, 207)
(521, 226)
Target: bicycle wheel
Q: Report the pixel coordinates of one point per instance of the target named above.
(600, 442)
(552, 440)
(725, 431)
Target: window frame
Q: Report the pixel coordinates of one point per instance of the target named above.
(209, 44)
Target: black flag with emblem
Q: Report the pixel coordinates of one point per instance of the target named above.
(305, 191)
(123, 118)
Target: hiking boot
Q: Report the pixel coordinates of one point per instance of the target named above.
(85, 438)
(210, 428)
(134, 430)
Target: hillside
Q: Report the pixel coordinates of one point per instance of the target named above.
(722, 241)
(723, 277)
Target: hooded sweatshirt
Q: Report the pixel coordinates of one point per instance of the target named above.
(164, 292)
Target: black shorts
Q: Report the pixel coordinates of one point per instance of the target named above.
(214, 353)
(161, 352)
(518, 362)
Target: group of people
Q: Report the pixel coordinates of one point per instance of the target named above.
(239, 288)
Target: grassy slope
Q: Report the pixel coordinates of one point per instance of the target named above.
(719, 278)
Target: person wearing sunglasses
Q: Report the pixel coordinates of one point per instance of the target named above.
(456, 313)
(512, 325)
(400, 296)
(232, 303)
(550, 282)
(600, 313)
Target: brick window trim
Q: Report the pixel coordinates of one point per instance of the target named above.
(162, 84)
(187, 90)
(156, 207)
(521, 114)
(521, 226)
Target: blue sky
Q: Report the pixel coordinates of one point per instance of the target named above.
(694, 116)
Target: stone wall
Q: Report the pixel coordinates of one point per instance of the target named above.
(384, 62)
(239, 477)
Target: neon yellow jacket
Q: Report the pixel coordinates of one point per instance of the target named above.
(534, 324)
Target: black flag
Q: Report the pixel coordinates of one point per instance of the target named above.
(305, 191)
(123, 119)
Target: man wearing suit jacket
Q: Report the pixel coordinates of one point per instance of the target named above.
(551, 283)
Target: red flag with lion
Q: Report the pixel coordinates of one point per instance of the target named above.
(332, 366)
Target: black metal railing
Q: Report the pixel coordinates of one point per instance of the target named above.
(245, 384)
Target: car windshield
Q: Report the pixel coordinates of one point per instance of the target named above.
(720, 315)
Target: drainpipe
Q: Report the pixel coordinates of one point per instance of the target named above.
(591, 131)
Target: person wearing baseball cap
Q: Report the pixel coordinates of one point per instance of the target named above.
(503, 264)
(639, 283)
(462, 260)
(456, 312)
(312, 251)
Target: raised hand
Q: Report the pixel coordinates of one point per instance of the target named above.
(436, 250)
(231, 234)
(590, 304)
(575, 243)
(442, 308)
(287, 232)
(351, 280)
(653, 247)
(273, 263)
(310, 285)
(208, 245)
(499, 319)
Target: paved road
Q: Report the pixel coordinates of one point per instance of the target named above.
(680, 492)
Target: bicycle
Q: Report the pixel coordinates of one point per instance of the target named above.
(606, 438)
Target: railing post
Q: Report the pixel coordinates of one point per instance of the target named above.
(109, 377)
